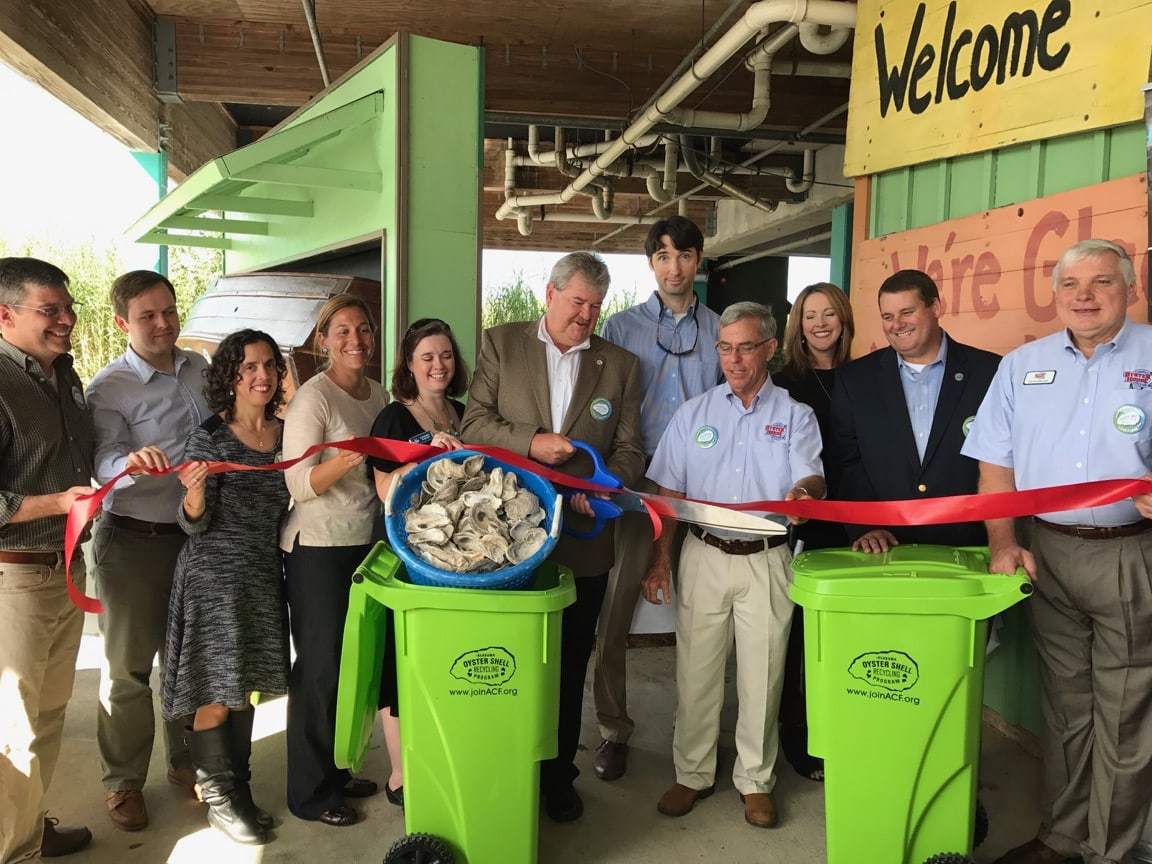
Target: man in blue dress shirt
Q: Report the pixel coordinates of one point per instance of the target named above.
(744, 440)
(673, 334)
(1073, 407)
(145, 403)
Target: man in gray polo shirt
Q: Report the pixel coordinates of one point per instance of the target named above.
(45, 465)
(144, 404)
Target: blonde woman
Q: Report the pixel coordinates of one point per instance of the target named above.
(327, 534)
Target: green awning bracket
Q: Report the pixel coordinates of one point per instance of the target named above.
(219, 185)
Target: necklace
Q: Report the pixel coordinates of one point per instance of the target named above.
(439, 425)
(259, 436)
(816, 374)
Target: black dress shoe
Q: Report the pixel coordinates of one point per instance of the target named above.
(358, 787)
(62, 841)
(339, 817)
(394, 796)
(610, 760)
(563, 805)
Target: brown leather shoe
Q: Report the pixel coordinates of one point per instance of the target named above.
(126, 809)
(610, 760)
(759, 810)
(1036, 851)
(59, 842)
(185, 777)
(679, 800)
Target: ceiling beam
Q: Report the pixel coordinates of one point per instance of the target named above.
(255, 63)
(96, 57)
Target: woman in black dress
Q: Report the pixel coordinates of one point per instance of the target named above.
(428, 372)
(817, 339)
(227, 619)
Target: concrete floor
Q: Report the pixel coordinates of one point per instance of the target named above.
(620, 823)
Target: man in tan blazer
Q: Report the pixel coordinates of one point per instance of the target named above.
(538, 386)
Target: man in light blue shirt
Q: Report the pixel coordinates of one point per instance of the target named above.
(745, 440)
(674, 335)
(1076, 406)
(145, 403)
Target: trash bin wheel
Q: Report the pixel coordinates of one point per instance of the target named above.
(980, 825)
(949, 858)
(419, 849)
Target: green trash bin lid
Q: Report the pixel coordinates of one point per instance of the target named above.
(907, 579)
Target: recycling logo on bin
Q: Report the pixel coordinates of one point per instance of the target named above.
(891, 670)
(491, 667)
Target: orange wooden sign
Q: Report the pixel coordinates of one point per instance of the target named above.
(994, 269)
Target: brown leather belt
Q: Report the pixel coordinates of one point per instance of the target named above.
(142, 527)
(738, 547)
(47, 559)
(1090, 532)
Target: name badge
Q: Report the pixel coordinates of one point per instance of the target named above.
(1047, 376)
(423, 438)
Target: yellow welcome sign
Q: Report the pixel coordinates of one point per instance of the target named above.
(945, 77)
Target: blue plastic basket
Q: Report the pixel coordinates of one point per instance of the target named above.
(420, 572)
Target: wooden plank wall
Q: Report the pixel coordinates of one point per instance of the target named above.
(96, 57)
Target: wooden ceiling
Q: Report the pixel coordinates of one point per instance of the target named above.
(587, 63)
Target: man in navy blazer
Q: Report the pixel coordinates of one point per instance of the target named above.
(900, 416)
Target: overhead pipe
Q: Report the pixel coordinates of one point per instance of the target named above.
(823, 43)
(760, 61)
(310, 14)
(758, 16)
(705, 176)
(682, 198)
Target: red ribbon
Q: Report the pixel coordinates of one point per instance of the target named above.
(921, 511)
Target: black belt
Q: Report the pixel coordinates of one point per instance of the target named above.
(1091, 532)
(141, 527)
(48, 559)
(738, 547)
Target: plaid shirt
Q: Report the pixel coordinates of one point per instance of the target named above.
(46, 444)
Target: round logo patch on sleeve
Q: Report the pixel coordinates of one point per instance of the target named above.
(706, 436)
(600, 409)
(967, 425)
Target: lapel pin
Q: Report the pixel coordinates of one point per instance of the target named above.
(599, 362)
(959, 376)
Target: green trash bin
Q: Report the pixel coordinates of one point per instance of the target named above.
(894, 667)
(479, 676)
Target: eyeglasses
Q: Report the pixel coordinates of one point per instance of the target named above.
(744, 349)
(671, 338)
(52, 312)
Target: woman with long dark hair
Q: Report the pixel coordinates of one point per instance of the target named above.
(429, 371)
(227, 621)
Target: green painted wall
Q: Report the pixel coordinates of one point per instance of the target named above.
(934, 192)
(427, 146)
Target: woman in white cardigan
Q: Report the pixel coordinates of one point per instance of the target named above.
(326, 535)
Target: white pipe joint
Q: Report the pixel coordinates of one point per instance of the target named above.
(823, 43)
(807, 178)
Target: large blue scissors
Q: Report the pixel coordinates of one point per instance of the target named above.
(604, 509)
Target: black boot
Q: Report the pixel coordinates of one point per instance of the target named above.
(216, 776)
(240, 726)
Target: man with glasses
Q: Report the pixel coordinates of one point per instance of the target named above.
(673, 334)
(538, 386)
(45, 465)
(145, 403)
(744, 440)
(900, 416)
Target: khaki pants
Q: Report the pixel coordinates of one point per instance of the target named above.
(724, 597)
(634, 547)
(39, 639)
(1092, 620)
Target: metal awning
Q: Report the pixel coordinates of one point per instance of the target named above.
(221, 185)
